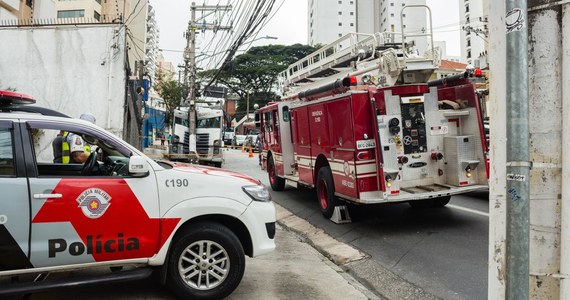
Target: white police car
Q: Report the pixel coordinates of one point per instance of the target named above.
(192, 224)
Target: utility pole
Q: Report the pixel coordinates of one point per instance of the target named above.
(190, 64)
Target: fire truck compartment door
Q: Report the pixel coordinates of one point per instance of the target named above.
(286, 139)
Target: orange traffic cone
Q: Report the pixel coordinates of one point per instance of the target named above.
(250, 152)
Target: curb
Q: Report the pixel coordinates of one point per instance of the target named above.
(338, 252)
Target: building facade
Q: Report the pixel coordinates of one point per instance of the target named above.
(474, 33)
(328, 20)
(138, 17)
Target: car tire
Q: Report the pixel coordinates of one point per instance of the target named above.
(206, 262)
(325, 192)
(277, 183)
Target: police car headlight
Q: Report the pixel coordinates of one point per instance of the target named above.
(257, 192)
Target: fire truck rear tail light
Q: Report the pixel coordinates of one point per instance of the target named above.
(463, 182)
(394, 192)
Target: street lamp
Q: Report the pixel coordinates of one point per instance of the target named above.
(267, 37)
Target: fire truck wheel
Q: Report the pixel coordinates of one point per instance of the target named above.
(441, 201)
(421, 204)
(277, 183)
(325, 192)
(206, 262)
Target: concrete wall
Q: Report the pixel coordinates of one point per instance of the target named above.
(72, 69)
(549, 132)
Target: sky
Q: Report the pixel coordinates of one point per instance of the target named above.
(289, 24)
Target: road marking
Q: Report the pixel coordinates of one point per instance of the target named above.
(469, 210)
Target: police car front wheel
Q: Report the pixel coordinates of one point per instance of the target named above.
(206, 262)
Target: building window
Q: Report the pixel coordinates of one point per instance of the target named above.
(392, 27)
(352, 13)
(466, 8)
(339, 2)
(403, 4)
(98, 1)
(340, 35)
(339, 23)
(29, 3)
(468, 53)
(391, 3)
(403, 15)
(340, 13)
(351, 24)
(79, 13)
(468, 43)
(351, 2)
(97, 16)
(392, 15)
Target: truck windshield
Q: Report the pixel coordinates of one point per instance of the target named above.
(210, 122)
(180, 121)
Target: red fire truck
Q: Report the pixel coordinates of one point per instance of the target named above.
(365, 126)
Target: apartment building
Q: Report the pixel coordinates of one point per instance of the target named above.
(473, 17)
(328, 20)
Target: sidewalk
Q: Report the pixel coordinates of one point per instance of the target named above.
(295, 270)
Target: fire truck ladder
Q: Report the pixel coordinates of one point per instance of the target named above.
(358, 53)
(330, 59)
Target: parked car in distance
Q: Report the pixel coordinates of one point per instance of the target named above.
(238, 140)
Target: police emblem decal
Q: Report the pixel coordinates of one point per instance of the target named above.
(94, 202)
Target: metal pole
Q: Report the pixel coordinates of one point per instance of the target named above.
(192, 79)
(247, 108)
(518, 165)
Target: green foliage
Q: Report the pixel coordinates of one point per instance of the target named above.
(256, 72)
(171, 92)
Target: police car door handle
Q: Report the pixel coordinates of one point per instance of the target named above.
(47, 196)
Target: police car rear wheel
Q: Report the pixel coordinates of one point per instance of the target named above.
(207, 262)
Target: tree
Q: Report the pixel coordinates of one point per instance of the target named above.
(255, 72)
(171, 92)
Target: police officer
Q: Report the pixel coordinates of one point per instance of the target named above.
(73, 148)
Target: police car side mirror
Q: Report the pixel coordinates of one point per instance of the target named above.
(138, 167)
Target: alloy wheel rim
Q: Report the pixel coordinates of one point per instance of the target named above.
(204, 265)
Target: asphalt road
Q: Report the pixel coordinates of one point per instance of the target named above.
(442, 251)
